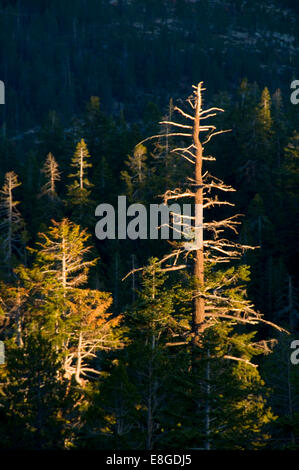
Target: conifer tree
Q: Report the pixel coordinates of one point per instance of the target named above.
(287, 213)
(162, 150)
(152, 325)
(91, 329)
(36, 404)
(208, 245)
(220, 298)
(79, 190)
(278, 368)
(264, 118)
(14, 311)
(11, 223)
(80, 163)
(136, 177)
(279, 125)
(284, 379)
(61, 253)
(74, 317)
(52, 174)
(51, 136)
(290, 172)
(222, 403)
(137, 390)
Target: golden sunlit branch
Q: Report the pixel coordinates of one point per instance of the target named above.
(215, 133)
(158, 136)
(211, 109)
(176, 124)
(176, 108)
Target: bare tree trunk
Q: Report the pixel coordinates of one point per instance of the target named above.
(260, 231)
(116, 276)
(52, 179)
(19, 323)
(133, 278)
(207, 405)
(79, 360)
(9, 236)
(290, 299)
(151, 386)
(149, 433)
(81, 168)
(199, 306)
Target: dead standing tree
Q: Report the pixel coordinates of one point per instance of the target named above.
(52, 174)
(207, 244)
(11, 220)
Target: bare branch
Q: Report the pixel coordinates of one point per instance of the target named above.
(232, 358)
(176, 108)
(215, 133)
(176, 124)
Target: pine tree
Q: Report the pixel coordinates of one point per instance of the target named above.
(14, 311)
(288, 214)
(152, 325)
(52, 136)
(137, 387)
(80, 163)
(74, 317)
(207, 245)
(61, 253)
(264, 144)
(220, 298)
(264, 119)
(35, 403)
(52, 174)
(136, 177)
(91, 329)
(12, 223)
(79, 190)
(279, 125)
(283, 376)
(222, 403)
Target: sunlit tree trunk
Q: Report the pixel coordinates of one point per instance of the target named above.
(199, 307)
(10, 218)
